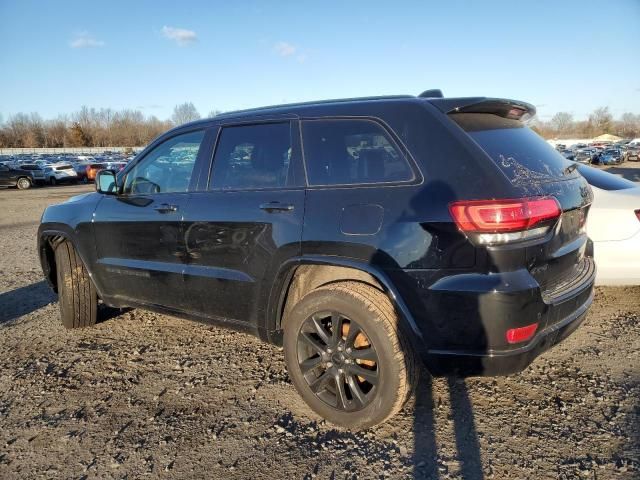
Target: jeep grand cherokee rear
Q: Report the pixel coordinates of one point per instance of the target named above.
(366, 236)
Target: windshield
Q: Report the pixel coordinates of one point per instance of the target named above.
(521, 154)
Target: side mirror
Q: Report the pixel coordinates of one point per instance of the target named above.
(106, 182)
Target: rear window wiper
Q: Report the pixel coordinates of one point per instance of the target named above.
(570, 169)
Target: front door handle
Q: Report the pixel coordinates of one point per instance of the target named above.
(166, 208)
(276, 207)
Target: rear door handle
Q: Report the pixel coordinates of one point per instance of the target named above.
(166, 208)
(276, 207)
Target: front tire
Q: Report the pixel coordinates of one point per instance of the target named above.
(347, 355)
(23, 183)
(77, 295)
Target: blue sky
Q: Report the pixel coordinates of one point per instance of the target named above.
(151, 55)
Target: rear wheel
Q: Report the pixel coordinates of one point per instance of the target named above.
(23, 183)
(76, 293)
(52, 180)
(347, 356)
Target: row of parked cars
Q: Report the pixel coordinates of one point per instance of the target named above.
(25, 171)
(601, 153)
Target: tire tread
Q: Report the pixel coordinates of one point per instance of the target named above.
(77, 295)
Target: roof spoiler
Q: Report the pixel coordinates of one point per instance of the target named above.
(512, 109)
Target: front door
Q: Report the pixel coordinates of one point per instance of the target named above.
(139, 232)
(5, 176)
(246, 222)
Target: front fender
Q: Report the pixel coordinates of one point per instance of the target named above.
(71, 221)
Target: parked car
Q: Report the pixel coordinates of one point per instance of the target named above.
(115, 167)
(92, 169)
(632, 154)
(37, 172)
(362, 235)
(15, 177)
(614, 227)
(568, 154)
(586, 156)
(611, 156)
(64, 173)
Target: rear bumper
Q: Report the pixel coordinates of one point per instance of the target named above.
(505, 362)
(464, 318)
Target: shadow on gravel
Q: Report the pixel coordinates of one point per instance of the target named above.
(24, 300)
(425, 450)
(629, 173)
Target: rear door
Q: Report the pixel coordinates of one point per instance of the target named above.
(139, 232)
(245, 221)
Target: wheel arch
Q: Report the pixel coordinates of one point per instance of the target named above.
(49, 237)
(299, 276)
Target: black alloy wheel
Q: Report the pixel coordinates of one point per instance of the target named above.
(338, 361)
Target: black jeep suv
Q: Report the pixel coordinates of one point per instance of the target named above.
(365, 236)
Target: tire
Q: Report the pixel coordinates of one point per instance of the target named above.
(358, 404)
(77, 295)
(23, 183)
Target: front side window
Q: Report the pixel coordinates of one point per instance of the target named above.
(252, 156)
(167, 168)
(347, 151)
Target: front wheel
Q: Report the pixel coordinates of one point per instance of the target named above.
(76, 293)
(23, 183)
(347, 356)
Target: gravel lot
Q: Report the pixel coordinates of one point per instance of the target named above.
(146, 395)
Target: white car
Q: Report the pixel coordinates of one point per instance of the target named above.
(614, 226)
(60, 174)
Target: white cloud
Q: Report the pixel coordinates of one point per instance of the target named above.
(84, 40)
(181, 36)
(285, 49)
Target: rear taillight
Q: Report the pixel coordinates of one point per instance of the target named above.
(504, 221)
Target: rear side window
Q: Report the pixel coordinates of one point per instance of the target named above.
(252, 156)
(348, 151)
(517, 150)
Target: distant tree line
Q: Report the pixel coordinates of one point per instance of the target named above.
(600, 121)
(90, 127)
(105, 127)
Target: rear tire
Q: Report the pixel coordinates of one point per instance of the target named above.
(23, 183)
(366, 392)
(77, 295)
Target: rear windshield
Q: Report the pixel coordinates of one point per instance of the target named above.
(64, 167)
(603, 180)
(517, 150)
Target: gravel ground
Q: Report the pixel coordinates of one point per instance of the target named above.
(146, 395)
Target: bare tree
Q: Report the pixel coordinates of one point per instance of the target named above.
(184, 113)
(561, 123)
(629, 125)
(214, 113)
(600, 121)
